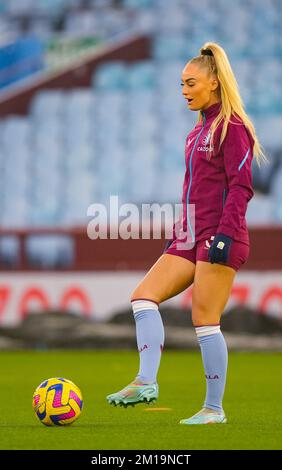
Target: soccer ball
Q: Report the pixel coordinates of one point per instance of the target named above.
(57, 402)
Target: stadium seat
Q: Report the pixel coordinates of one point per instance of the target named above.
(79, 102)
(49, 251)
(170, 47)
(138, 3)
(9, 251)
(111, 76)
(47, 102)
(16, 126)
(170, 190)
(269, 130)
(276, 189)
(142, 75)
(16, 213)
(260, 210)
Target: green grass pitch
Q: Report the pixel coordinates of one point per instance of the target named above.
(252, 402)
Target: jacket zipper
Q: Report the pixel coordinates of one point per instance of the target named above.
(191, 177)
(223, 197)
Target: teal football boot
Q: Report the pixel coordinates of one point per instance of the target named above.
(206, 417)
(134, 393)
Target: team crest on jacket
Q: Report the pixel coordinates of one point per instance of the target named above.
(205, 142)
(206, 139)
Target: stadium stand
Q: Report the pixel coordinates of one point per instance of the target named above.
(82, 145)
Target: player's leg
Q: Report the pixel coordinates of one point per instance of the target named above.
(211, 290)
(169, 276)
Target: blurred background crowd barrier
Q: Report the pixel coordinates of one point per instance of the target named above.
(91, 106)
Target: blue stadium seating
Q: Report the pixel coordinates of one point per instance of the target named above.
(125, 134)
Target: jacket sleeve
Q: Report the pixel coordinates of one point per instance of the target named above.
(238, 154)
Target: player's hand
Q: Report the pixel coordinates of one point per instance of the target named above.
(219, 250)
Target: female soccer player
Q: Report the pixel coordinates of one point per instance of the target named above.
(218, 181)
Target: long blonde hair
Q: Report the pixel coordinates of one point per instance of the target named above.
(231, 101)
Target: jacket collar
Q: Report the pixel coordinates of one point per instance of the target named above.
(212, 110)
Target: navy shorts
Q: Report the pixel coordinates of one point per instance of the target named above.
(237, 256)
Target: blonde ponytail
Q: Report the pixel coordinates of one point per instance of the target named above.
(214, 58)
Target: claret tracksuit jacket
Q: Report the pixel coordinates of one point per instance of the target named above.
(221, 186)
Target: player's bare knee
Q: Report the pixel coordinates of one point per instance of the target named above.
(205, 321)
(198, 321)
(205, 317)
(143, 294)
